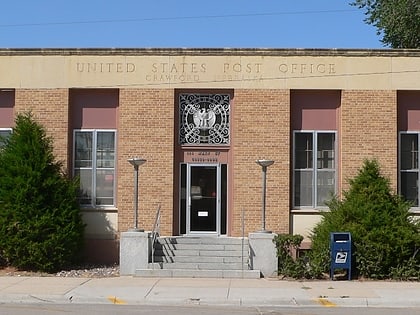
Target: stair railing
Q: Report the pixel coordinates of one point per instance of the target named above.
(242, 243)
(155, 234)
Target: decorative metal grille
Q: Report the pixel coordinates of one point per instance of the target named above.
(204, 118)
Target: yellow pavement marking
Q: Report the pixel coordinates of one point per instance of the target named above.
(116, 300)
(325, 302)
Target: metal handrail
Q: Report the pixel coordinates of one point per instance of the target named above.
(242, 242)
(155, 234)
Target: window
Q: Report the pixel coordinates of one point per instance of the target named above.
(4, 135)
(409, 167)
(94, 163)
(314, 168)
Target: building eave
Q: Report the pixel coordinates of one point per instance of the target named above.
(325, 52)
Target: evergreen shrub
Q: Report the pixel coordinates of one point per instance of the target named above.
(385, 237)
(40, 221)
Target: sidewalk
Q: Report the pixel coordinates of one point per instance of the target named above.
(176, 291)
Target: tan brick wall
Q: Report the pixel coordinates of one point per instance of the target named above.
(368, 130)
(261, 129)
(146, 125)
(50, 109)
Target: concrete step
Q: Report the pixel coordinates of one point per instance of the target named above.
(197, 259)
(203, 266)
(218, 257)
(185, 273)
(193, 246)
(201, 252)
(202, 240)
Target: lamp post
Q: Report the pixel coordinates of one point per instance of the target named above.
(264, 164)
(136, 162)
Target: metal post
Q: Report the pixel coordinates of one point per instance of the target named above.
(136, 162)
(136, 197)
(264, 189)
(264, 164)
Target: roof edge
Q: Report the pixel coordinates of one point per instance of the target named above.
(210, 52)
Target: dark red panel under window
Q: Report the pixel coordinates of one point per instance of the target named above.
(7, 103)
(94, 108)
(408, 110)
(314, 109)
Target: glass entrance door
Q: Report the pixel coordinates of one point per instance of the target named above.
(203, 210)
(203, 199)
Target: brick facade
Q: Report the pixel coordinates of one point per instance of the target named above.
(50, 108)
(261, 130)
(260, 84)
(146, 129)
(368, 131)
(260, 127)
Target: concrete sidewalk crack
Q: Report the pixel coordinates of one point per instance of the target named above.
(79, 285)
(228, 290)
(13, 284)
(151, 289)
(39, 299)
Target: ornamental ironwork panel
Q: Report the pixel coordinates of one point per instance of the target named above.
(204, 119)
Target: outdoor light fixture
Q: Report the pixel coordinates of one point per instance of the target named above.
(264, 164)
(136, 162)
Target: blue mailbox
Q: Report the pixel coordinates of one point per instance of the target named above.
(341, 246)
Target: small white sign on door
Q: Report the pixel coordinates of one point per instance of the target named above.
(203, 213)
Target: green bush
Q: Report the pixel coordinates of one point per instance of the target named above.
(290, 264)
(40, 222)
(385, 239)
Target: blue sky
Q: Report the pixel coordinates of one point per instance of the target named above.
(184, 23)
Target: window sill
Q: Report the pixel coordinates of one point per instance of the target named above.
(415, 211)
(309, 210)
(99, 209)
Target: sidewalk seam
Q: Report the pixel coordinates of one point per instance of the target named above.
(19, 282)
(228, 290)
(151, 288)
(79, 285)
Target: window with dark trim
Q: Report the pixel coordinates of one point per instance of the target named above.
(94, 163)
(409, 167)
(314, 168)
(4, 135)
